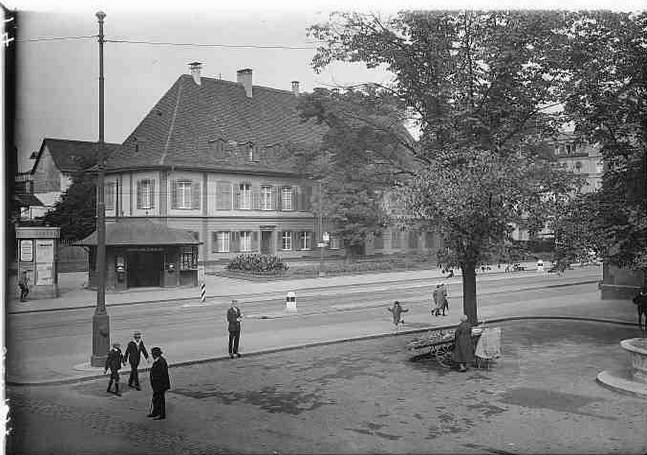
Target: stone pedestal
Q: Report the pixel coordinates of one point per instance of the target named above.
(632, 380)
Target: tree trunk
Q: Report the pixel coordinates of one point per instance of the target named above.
(469, 293)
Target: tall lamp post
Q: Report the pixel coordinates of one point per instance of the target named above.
(100, 320)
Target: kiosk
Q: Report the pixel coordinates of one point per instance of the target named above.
(37, 260)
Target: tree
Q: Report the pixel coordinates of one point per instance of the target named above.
(605, 96)
(75, 212)
(480, 86)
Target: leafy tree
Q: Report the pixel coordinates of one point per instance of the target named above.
(480, 86)
(605, 96)
(75, 212)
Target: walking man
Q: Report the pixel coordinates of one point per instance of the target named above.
(160, 383)
(23, 284)
(133, 354)
(440, 299)
(113, 363)
(234, 316)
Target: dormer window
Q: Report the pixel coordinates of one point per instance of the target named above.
(250, 152)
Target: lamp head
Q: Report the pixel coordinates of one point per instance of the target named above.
(101, 16)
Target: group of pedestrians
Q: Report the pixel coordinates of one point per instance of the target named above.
(441, 304)
(159, 377)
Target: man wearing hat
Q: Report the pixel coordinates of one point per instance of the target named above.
(113, 362)
(234, 316)
(160, 383)
(133, 353)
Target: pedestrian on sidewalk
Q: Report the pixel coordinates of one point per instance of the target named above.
(23, 284)
(114, 361)
(396, 310)
(440, 300)
(160, 383)
(463, 350)
(134, 351)
(234, 316)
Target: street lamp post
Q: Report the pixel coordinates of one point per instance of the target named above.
(100, 319)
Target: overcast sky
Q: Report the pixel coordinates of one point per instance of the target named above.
(58, 80)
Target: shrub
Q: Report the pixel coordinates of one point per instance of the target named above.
(264, 263)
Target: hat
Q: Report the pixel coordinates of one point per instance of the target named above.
(137, 334)
(439, 285)
(116, 345)
(156, 351)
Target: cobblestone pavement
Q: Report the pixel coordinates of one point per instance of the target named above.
(359, 397)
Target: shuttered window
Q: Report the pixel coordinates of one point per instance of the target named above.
(266, 198)
(109, 195)
(223, 196)
(245, 196)
(286, 198)
(185, 194)
(305, 240)
(145, 194)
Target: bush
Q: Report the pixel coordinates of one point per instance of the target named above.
(257, 263)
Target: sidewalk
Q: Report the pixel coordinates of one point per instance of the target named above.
(73, 295)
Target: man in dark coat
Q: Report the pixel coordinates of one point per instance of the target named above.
(113, 363)
(234, 316)
(160, 383)
(134, 350)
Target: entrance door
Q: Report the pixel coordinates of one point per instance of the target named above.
(266, 242)
(144, 269)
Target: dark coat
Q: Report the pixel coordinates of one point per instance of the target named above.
(463, 348)
(640, 300)
(133, 354)
(397, 311)
(160, 380)
(114, 360)
(232, 318)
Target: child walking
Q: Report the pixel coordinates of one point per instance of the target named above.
(114, 362)
(396, 310)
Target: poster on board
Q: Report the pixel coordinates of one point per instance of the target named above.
(26, 250)
(45, 251)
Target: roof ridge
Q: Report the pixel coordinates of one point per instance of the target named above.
(264, 87)
(77, 140)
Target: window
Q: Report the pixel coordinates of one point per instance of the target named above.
(188, 258)
(378, 241)
(395, 239)
(109, 195)
(250, 152)
(221, 242)
(223, 196)
(334, 242)
(183, 194)
(266, 198)
(286, 240)
(245, 241)
(145, 194)
(305, 240)
(245, 196)
(286, 198)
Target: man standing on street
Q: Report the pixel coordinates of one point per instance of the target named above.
(234, 317)
(23, 284)
(114, 360)
(160, 383)
(133, 353)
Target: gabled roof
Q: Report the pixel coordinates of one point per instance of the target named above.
(190, 120)
(69, 155)
(26, 200)
(141, 232)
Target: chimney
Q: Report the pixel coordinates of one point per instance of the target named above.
(195, 68)
(295, 88)
(245, 79)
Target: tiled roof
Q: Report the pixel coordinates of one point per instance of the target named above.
(69, 155)
(141, 232)
(27, 200)
(184, 127)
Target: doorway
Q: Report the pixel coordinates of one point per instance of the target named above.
(266, 242)
(144, 269)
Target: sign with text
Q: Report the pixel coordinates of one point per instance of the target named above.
(45, 251)
(26, 250)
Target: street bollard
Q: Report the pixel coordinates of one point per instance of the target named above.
(203, 291)
(540, 266)
(291, 302)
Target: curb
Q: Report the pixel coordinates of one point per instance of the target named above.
(181, 299)
(322, 343)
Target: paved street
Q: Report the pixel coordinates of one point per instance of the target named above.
(57, 341)
(358, 397)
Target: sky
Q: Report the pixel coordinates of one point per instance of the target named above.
(57, 92)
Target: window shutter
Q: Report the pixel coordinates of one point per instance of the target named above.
(296, 240)
(152, 195)
(214, 242)
(254, 240)
(295, 198)
(256, 200)
(139, 194)
(312, 240)
(174, 194)
(195, 190)
(307, 198)
(273, 198)
(237, 197)
(279, 195)
(279, 240)
(235, 240)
